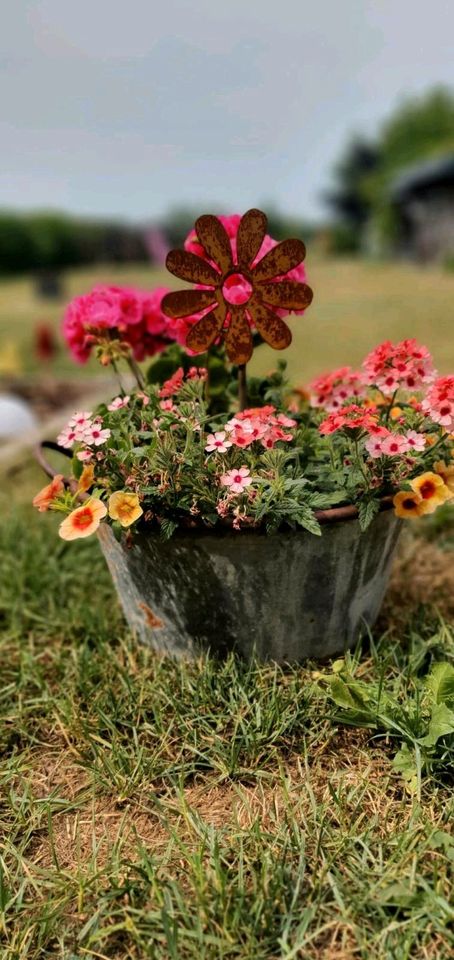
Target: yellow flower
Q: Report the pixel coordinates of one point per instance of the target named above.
(409, 505)
(83, 521)
(86, 478)
(446, 473)
(124, 507)
(432, 489)
(396, 412)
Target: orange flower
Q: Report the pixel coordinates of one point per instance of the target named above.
(432, 489)
(124, 507)
(86, 478)
(396, 412)
(43, 499)
(446, 473)
(409, 505)
(83, 521)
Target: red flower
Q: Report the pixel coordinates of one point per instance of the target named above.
(352, 417)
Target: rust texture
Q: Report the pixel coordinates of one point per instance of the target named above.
(152, 620)
(269, 288)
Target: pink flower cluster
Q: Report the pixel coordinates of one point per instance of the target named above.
(256, 424)
(351, 417)
(82, 429)
(238, 286)
(439, 402)
(261, 424)
(331, 390)
(385, 443)
(134, 316)
(406, 365)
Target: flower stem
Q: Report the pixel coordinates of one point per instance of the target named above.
(242, 386)
(135, 369)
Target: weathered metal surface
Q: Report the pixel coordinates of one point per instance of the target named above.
(287, 597)
(267, 286)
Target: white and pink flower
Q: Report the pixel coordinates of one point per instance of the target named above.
(394, 444)
(237, 480)
(416, 441)
(118, 403)
(95, 435)
(217, 442)
(67, 437)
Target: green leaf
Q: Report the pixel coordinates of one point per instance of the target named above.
(167, 527)
(310, 523)
(405, 764)
(440, 683)
(77, 467)
(367, 510)
(441, 725)
(350, 696)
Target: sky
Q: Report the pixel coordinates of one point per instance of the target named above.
(130, 108)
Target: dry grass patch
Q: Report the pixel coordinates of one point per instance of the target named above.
(104, 826)
(423, 576)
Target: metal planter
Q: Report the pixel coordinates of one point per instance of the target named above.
(286, 597)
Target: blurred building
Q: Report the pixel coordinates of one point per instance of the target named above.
(423, 201)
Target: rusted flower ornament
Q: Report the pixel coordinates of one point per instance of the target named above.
(264, 284)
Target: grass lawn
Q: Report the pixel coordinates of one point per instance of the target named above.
(153, 809)
(209, 809)
(356, 305)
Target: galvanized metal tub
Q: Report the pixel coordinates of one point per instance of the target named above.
(286, 597)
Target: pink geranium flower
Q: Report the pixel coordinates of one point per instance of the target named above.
(217, 441)
(236, 480)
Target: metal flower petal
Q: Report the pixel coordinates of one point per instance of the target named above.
(238, 337)
(265, 286)
(203, 334)
(215, 241)
(278, 261)
(188, 266)
(271, 327)
(250, 236)
(181, 303)
(288, 294)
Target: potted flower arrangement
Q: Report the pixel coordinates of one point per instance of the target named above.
(235, 511)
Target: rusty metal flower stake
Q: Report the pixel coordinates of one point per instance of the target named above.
(266, 281)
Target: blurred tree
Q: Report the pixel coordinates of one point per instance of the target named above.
(348, 200)
(419, 128)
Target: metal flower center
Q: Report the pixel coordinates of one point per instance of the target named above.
(236, 289)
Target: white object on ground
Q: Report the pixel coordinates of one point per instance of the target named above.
(16, 416)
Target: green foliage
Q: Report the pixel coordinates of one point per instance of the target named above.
(187, 810)
(423, 720)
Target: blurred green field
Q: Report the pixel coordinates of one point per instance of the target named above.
(357, 304)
